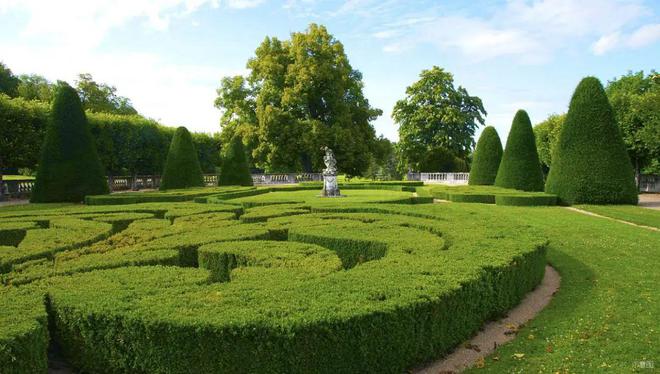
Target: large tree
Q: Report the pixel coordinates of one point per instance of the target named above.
(435, 114)
(8, 81)
(100, 97)
(635, 99)
(35, 87)
(301, 94)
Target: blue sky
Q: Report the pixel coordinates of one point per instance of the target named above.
(168, 56)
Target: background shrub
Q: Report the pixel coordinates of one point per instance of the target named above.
(520, 168)
(590, 163)
(235, 170)
(487, 157)
(182, 168)
(69, 167)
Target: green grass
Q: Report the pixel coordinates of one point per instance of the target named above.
(630, 213)
(372, 283)
(490, 195)
(605, 316)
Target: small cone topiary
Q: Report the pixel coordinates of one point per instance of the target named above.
(486, 158)
(590, 164)
(235, 170)
(182, 168)
(520, 168)
(69, 167)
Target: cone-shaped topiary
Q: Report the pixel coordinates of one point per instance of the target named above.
(182, 168)
(486, 158)
(235, 170)
(590, 163)
(69, 167)
(520, 167)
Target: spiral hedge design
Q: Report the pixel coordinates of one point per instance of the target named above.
(275, 282)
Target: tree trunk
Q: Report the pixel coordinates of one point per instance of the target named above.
(111, 182)
(637, 173)
(134, 187)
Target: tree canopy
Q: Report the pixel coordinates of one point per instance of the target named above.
(70, 167)
(635, 99)
(435, 114)
(301, 94)
(590, 164)
(8, 81)
(100, 97)
(35, 87)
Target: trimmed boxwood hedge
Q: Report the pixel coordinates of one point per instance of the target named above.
(486, 159)
(520, 168)
(182, 168)
(491, 195)
(69, 167)
(357, 286)
(590, 164)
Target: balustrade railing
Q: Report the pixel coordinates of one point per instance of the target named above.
(440, 178)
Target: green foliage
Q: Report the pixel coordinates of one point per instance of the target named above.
(436, 115)
(520, 168)
(590, 163)
(23, 125)
(100, 97)
(126, 144)
(301, 94)
(368, 277)
(486, 159)
(442, 160)
(35, 87)
(8, 81)
(182, 168)
(69, 168)
(235, 170)
(384, 163)
(546, 134)
(635, 100)
(491, 195)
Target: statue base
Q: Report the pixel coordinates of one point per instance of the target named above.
(330, 186)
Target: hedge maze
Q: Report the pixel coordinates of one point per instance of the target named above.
(280, 281)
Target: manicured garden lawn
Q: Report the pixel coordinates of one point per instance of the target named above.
(630, 213)
(376, 281)
(605, 315)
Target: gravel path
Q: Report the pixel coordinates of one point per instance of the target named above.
(650, 200)
(499, 332)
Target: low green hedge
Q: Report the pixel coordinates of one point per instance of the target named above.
(471, 198)
(526, 200)
(359, 284)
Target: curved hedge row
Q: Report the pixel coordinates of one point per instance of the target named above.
(354, 286)
(491, 195)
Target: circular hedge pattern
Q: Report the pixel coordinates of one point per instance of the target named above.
(294, 284)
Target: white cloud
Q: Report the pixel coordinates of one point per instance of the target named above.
(244, 4)
(643, 36)
(533, 31)
(177, 95)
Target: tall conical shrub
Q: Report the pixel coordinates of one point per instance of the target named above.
(235, 170)
(486, 159)
(69, 167)
(182, 168)
(520, 167)
(590, 163)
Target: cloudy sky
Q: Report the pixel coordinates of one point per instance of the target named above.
(168, 56)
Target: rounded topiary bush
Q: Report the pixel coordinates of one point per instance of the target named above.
(69, 167)
(487, 157)
(182, 168)
(590, 163)
(520, 168)
(235, 170)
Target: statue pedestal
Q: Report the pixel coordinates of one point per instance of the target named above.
(330, 186)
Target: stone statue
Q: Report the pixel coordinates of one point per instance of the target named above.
(330, 186)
